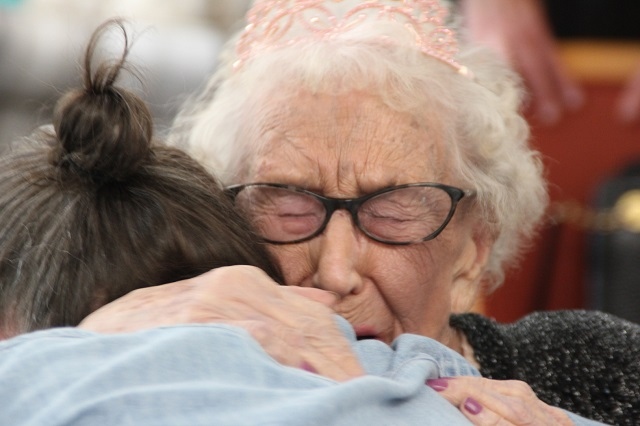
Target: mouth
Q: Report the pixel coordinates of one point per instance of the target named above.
(365, 337)
(364, 332)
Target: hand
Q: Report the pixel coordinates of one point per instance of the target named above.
(497, 402)
(629, 103)
(295, 325)
(518, 31)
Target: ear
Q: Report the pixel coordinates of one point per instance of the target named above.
(469, 270)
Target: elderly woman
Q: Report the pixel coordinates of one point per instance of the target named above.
(391, 168)
(94, 208)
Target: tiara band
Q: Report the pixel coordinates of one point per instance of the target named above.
(271, 21)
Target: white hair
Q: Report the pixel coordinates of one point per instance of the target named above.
(480, 118)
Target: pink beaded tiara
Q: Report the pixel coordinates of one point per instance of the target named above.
(278, 23)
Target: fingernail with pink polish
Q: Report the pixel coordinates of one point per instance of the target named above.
(472, 406)
(438, 384)
(308, 367)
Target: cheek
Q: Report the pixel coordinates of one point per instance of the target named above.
(418, 273)
(417, 288)
(294, 262)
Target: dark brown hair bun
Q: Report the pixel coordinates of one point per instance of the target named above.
(104, 131)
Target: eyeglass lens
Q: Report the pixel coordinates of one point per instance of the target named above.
(401, 215)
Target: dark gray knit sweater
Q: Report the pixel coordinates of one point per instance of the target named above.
(586, 362)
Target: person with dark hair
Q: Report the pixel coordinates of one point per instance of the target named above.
(95, 208)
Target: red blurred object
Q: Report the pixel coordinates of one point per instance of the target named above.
(581, 151)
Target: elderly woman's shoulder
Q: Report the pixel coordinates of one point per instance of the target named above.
(587, 362)
(584, 327)
(589, 327)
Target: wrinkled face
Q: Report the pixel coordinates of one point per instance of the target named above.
(347, 146)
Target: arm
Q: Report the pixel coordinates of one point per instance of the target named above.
(493, 402)
(518, 31)
(294, 325)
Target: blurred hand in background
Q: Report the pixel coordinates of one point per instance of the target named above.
(518, 31)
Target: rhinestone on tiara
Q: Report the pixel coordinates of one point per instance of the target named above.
(270, 23)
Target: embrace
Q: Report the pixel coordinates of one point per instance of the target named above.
(368, 163)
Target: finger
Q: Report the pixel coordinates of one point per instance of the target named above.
(459, 387)
(325, 346)
(540, 78)
(293, 329)
(572, 94)
(327, 298)
(537, 58)
(482, 407)
(296, 316)
(480, 416)
(498, 402)
(197, 300)
(141, 309)
(569, 93)
(285, 351)
(517, 413)
(629, 103)
(492, 408)
(515, 388)
(518, 31)
(331, 356)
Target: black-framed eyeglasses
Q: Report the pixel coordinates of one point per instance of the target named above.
(399, 215)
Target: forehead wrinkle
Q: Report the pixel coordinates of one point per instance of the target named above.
(410, 142)
(345, 145)
(288, 133)
(373, 130)
(280, 150)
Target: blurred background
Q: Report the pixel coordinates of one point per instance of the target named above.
(580, 61)
(176, 43)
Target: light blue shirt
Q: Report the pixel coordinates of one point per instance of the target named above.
(214, 375)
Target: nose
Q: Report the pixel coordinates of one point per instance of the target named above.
(337, 254)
